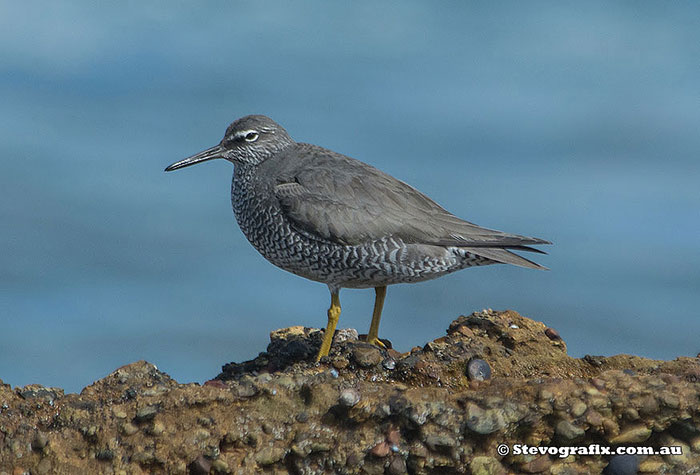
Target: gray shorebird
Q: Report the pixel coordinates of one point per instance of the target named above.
(333, 219)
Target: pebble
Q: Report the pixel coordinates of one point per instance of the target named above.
(157, 429)
(220, 466)
(389, 363)
(345, 334)
(539, 465)
(478, 370)
(40, 441)
(632, 435)
(340, 363)
(349, 397)
(382, 449)
(128, 428)
(146, 413)
(440, 442)
(200, 466)
(567, 431)
(270, 455)
(366, 355)
(484, 465)
(484, 421)
(578, 408)
(622, 465)
(552, 334)
(397, 466)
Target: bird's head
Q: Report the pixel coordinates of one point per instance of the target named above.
(248, 140)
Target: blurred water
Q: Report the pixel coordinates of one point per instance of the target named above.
(573, 122)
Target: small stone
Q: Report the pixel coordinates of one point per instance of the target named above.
(302, 417)
(349, 397)
(157, 429)
(216, 383)
(382, 449)
(440, 442)
(651, 466)
(128, 428)
(632, 435)
(345, 334)
(397, 466)
(340, 363)
(389, 363)
(220, 466)
(119, 413)
(40, 441)
(484, 421)
(552, 334)
(478, 370)
(334, 373)
(143, 457)
(394, 436)
(105, 454)
(146, 413)
(695, 444)
(622, 465)
(270, 455)
(482, 465)
(245, 390)
(567, 431)
(200, 466)
(366, 355)
(539, 465)
(44, 467)
(578, 408)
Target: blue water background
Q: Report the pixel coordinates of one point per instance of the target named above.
(576, 122)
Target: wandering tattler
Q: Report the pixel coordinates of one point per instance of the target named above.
(333, 219)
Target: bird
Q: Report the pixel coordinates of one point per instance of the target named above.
(334, 219)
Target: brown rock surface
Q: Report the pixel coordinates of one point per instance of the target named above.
(365, 410)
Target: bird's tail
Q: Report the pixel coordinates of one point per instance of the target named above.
(504, 256)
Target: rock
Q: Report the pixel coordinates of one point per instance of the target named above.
(578, 408)
(39, 392)
(397, 412)
(128, 428)
(270, 455)
(382, 449)
(397, 466)
(440, 442)
(484, 465)
(200, 466)
(349, 397)
(538, 465)
(366, 355)
(40, 441)
(146, 414)
(568, 432)
(484, 421)
(622, 465)
(631, 435)
(478, 370)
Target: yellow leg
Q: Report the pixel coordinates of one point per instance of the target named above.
(333, 316)
(373, 335)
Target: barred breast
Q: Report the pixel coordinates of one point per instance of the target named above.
(383, 261)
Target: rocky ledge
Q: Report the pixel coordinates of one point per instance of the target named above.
(495, 378)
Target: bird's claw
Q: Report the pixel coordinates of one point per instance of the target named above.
(376, 342)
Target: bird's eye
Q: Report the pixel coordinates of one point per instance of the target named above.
(251, 136)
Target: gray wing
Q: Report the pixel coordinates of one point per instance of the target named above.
(348, 202)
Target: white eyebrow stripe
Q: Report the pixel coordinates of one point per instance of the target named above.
(243, 133)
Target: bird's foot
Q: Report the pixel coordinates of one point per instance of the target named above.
(376, 342)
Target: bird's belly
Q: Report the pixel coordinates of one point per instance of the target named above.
(382, 262)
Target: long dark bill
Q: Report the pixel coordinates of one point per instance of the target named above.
(208, 154)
